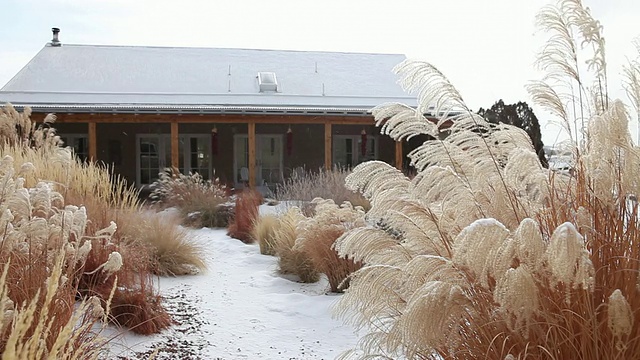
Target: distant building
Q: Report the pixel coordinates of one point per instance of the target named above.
(253, 116)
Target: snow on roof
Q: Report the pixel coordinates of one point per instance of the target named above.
(69, 76)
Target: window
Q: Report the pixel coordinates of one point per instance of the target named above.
(267, 82)
(347, 150)
(78, 144)
(154, 155)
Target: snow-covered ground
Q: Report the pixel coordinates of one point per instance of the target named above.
(241, 308)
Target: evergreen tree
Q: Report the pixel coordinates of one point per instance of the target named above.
(520, 115)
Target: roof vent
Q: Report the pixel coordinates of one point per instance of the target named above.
(55, 41)
(267, 81)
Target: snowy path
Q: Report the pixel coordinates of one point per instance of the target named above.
(242, 309)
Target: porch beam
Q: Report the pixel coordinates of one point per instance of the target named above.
(252, 154)
(209, 119)
(93, 141)
(327, 146)
(175, 156)
(399, 155)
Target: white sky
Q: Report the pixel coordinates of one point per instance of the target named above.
(485, 47)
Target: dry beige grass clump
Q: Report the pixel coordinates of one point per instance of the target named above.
(318, 233)
(200, 202)
(291, 258)
(264, 232)
(173, 252)
(487, 255)
(303, 187)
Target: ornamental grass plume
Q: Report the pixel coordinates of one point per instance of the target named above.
(487, 255)
(44, 247)
(54, 203)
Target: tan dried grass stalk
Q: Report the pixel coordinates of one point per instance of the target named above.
(485, 254)
(36, 333)
(44, 208)
(264, 231)
(44, 245)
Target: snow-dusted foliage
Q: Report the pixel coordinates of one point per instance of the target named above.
(487, 255)
(44, 246)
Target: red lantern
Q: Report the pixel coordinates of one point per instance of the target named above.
(214, 141)
(363, 143)
(289, 141)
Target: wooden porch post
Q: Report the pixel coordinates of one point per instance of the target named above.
(252, 154)
(399, 155)
(175, 145)
(327, 146)
(93, 146)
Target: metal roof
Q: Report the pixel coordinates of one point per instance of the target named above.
(92, 78)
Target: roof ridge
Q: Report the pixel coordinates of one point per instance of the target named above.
(223, 48)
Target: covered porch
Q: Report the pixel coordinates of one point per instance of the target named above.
(234, 145)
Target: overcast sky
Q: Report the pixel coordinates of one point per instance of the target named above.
(485, 47)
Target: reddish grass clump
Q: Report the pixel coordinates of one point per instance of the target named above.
(139, 310)
(318, 234)
(246, 213)
(135, 303)
(318, 246)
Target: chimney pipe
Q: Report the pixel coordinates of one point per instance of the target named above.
(55, 41)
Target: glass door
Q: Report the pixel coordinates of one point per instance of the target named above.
(154, 156)
(268, 159)
(197, 158)
(151, 158)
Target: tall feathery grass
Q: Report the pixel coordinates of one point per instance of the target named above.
(487, 255)
(173, 251)
(44, 184)
(44, 247)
